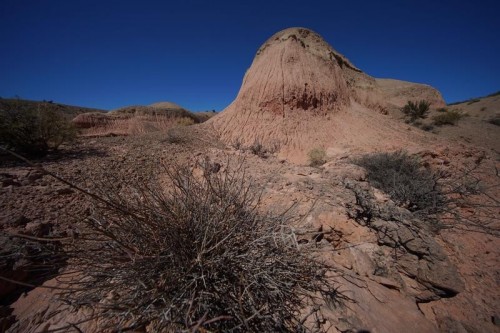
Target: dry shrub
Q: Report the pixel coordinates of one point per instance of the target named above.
(185, 121)
(317, 157)
(258, 148)
(200, 256)
(403, 178)
(448, 118)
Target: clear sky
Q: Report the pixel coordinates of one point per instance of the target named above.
(108, 54)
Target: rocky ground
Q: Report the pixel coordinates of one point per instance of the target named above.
(394, 272)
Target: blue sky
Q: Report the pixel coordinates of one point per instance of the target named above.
(108, 54)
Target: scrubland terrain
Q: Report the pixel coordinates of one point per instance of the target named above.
(308, 205)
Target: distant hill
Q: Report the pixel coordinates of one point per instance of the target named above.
(163, 109)
(475, 99)
(70, 110)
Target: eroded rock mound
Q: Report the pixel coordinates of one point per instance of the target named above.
(135, 119)
(295, 75)
(398, 93)
(300, 94)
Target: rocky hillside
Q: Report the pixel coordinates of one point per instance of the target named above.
(480, 125)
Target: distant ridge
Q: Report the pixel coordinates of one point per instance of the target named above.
(473, 99)
(24, 104)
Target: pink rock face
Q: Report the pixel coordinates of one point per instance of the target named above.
(294, 71)
(294, 77)
(300, 94)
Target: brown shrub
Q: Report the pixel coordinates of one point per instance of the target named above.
(201, 255)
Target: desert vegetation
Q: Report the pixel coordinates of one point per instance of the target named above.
(34, 132)
(257, 147)
(448, 118)
(416, 110)
(200, 256)
(317, 157)
(435, 195)
(404, 179)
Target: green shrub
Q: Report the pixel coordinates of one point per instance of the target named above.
(198, 256)
(403, 178)
(416, 110)
(442, 110)
(317, 157)
(34, 132)
(448, 118)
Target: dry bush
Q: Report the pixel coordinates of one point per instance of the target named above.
(257, 148)
(176, 135)
(200, 256)
(317, 157)
(448, 118)
(445, 199)
(185, 121)
(403, 178)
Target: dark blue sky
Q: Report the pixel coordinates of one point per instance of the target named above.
(107, 54)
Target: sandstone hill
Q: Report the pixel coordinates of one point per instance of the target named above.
(136, 119)
(300, 94)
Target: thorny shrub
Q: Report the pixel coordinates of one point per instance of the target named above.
(463, 197)
(403, 178)
(197, 255)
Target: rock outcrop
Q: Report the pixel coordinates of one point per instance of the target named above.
(300, 93)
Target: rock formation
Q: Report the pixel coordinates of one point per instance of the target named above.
(300, 94)
(135, 119)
